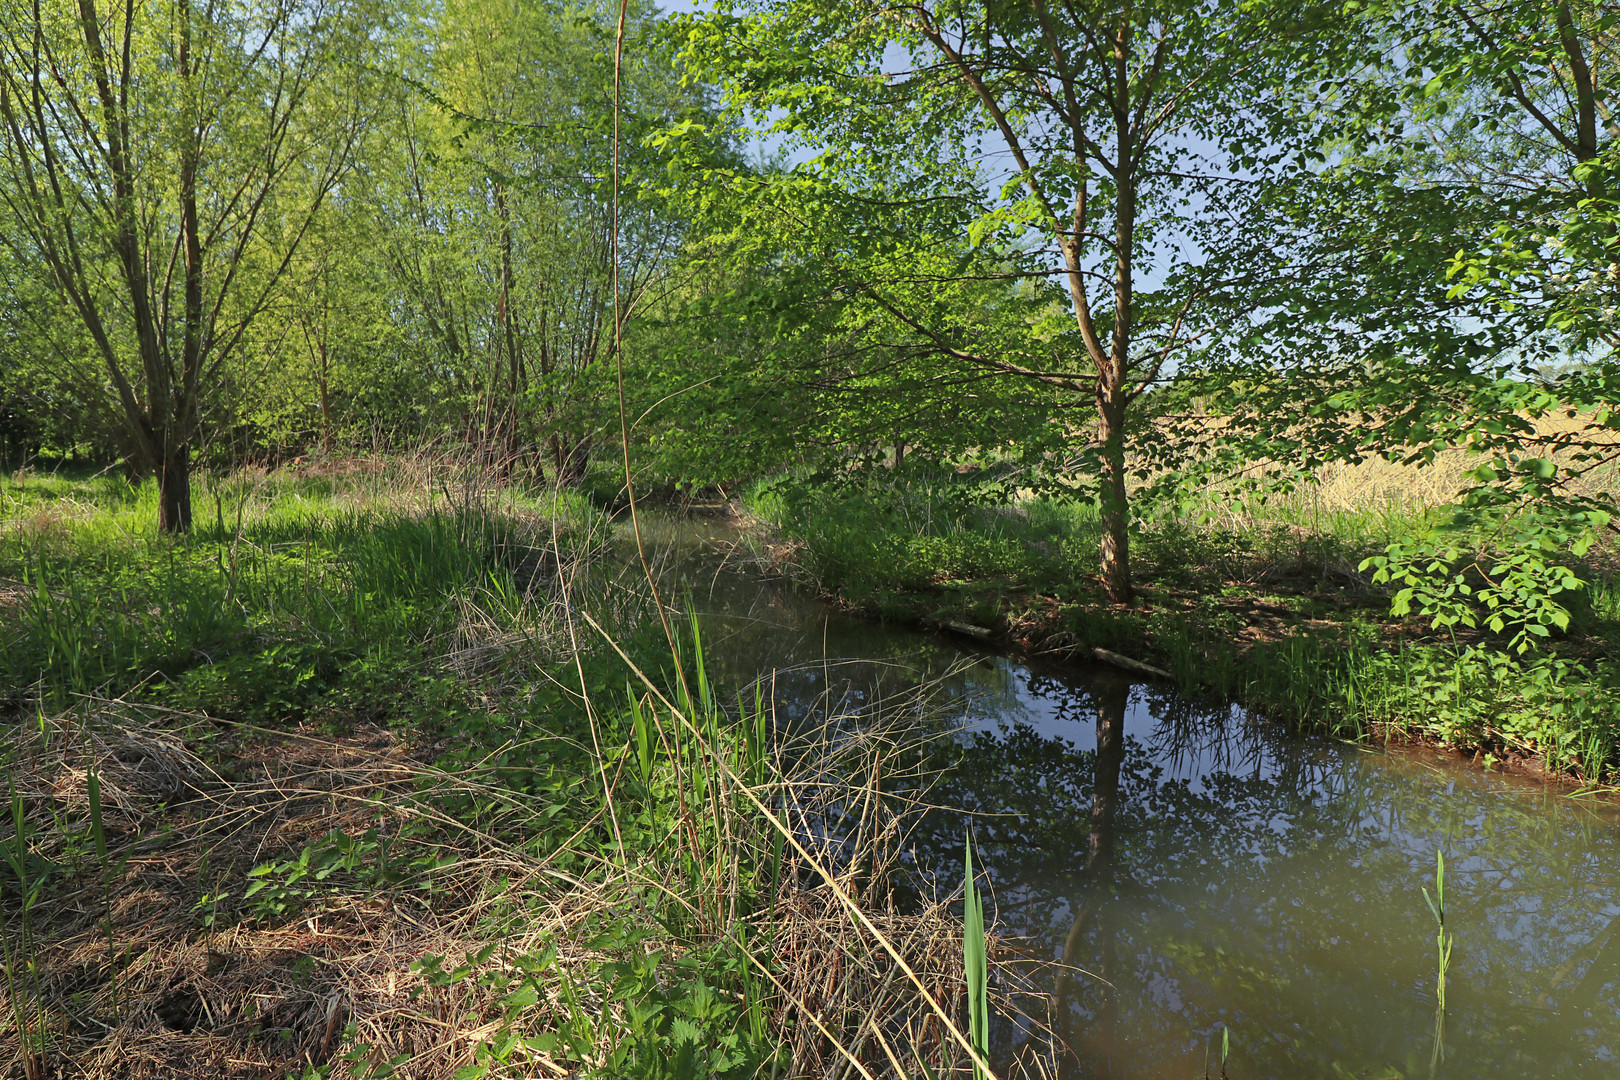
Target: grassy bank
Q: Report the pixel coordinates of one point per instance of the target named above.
(387, 771)
(1261, 603)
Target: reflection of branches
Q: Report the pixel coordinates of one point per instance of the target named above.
(1100, 862)
(1603, 969)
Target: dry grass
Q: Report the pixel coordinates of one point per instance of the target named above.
(191, 806)
(836, 971)
(1377, 482)
(1339, 486)
(1366, 505)
(263, 996)
(1588, 451)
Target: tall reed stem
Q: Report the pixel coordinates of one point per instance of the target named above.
(98, 836)
(974, 966)
(1442, 943)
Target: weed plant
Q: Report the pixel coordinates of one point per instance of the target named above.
(1443, 942)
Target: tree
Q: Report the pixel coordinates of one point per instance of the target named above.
(765, 339)
(494, 216)
(1463, 195)
(164, 160)
(42, 349)
(1124, 136)
(320, 367)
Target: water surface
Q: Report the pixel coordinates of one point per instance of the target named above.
(1198, 868)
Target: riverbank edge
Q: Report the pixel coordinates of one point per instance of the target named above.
(1036, 627)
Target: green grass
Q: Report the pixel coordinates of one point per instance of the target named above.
(363, 701)
(289, 601)
(879, 536)
(973, 962)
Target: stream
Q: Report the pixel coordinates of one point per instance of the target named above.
(1204, 869)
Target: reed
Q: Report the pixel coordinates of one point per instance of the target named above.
(98, 839)
(976, 970)
(1442, 960)
(22, 957)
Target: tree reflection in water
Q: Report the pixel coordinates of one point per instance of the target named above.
(1193, 870)
(1097, 887)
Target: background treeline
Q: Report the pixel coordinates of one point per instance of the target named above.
(1119, 253)
(410, 242)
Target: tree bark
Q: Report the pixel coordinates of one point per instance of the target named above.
(1112, 393)
(174, 491)
(326, 402)
(508, 430)
(1115, 545)
(175, 471)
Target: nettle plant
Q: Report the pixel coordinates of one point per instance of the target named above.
(1501, 558)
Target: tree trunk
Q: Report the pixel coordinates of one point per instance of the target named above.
(174, 491)
(572, 460)
(514, 361)
(326, 403)
(1112, 396)
(174, 473)
(1116, 538)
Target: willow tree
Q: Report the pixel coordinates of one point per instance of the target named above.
(1086, 144)
(493, 217)
(163, 160)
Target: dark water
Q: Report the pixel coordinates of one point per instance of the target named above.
(1200, 868)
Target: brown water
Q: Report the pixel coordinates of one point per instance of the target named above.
(1203, 869)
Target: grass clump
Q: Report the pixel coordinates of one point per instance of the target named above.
(353, 783)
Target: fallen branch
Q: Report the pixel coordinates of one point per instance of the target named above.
(1134, 666)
